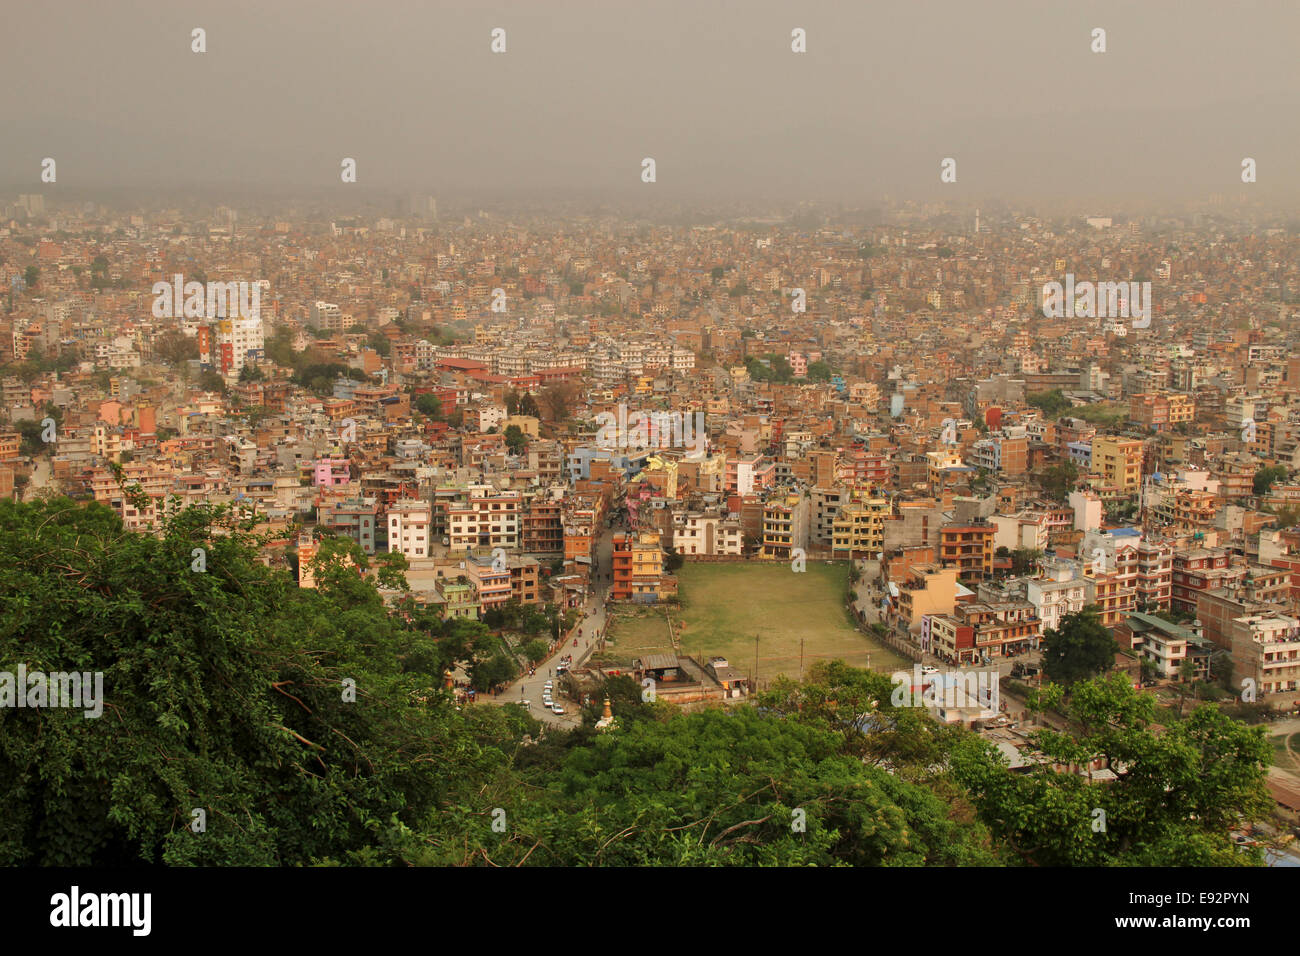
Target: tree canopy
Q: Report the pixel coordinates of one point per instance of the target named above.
(311, 726)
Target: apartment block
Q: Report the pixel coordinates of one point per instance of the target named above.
(409, 528)
(968, 548)
(486, 518)
(1118, 461)
(785, 525)
(859, 529)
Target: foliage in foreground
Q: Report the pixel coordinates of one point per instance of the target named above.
(227, 691)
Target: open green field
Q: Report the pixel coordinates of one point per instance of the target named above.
(1286, 752)
(635, 633)
(725, 605)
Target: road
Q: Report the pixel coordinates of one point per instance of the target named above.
(593, 622)
(41, 478)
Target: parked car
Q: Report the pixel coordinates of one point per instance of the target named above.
(557, 709)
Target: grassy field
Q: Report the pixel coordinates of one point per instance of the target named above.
(725, 605)
(634, 633)
(1283, 758)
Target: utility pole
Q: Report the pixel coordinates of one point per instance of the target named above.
(756, 662)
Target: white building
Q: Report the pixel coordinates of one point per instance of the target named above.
(408, 528)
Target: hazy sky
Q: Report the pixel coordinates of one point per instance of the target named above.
(710, 89)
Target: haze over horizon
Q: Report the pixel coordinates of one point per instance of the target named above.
(585, 90)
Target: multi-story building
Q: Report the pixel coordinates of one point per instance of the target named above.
(949, 639)
(458, 600)
(1004, 629)
(582, 516)
(859, 529)
(638, 567)
(1002, 453)
(355, 517)
(926, 589)
(696, 533)
(785, 525)
(525, 580)
(1161, 412)
(1200, 569)
(1061, 590)
(969, 548)
(1266, 650)
(491, 579)
(409, 528)
(1168, 645)
(1155, 574)
(542, 526)
(1118, 461)
(825, 505)
(486, 518)
(1107, 590)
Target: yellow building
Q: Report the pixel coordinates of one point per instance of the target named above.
(785, 526)
(858, 530)
(928, 589)
(526, 423)
(1118, 461)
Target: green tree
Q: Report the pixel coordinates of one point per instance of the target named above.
(819, 372)
(1052, 403)
(1023, 560)
(516, 440)
(1080, 648)
(175, 348)
(224, 690)
(1172, 800)
(1059, 480)
(1265, 477)
(428, 404)
(210, 381)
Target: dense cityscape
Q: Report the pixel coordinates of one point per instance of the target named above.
(712, 458)
(612, 436)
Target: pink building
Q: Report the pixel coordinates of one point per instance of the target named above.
(328, 472)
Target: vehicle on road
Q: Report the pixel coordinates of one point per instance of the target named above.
(557, 709)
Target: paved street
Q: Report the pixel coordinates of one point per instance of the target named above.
(593, 622)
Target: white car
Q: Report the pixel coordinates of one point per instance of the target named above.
(557, 709)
